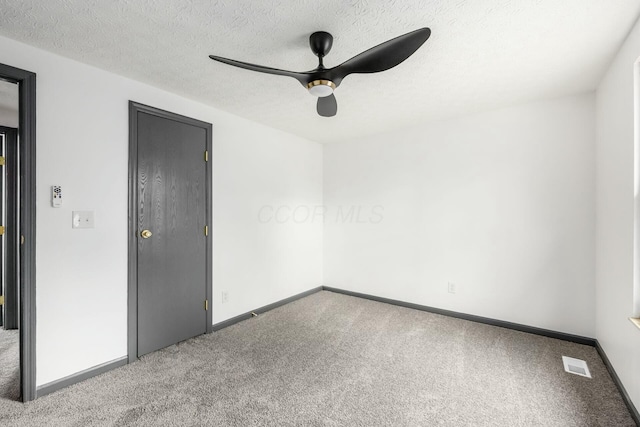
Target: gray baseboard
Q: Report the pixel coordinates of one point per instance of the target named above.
(623, 392)
(80, 376)
(493, 322)
(245, 316)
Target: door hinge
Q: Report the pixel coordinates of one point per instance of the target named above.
(206, 305)
(1, 230)
(206, 230)
(206, 155)
(2, 161)
(1, 299)
(22, 240)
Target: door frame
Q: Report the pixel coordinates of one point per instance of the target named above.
(132, 309)
(27, 198)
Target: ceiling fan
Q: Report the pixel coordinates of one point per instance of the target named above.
(321, 81)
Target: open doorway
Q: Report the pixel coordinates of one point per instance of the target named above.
(9, 243)
(17, 138)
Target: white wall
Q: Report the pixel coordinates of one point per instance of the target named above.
(259, 260)
(82, 140)
(500, 203)
(615, 216)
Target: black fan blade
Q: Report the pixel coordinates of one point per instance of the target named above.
(301, 77)
(327, 106)
(384, 56)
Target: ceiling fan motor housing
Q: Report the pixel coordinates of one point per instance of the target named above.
(320, 43)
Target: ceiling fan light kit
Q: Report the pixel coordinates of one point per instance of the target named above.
(322, 82)
(321, 88)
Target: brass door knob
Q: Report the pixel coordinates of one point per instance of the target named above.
(145, 234)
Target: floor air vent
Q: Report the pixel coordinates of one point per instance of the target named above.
(576, 366)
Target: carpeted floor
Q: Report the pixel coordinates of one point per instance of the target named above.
(335, 360)
(9, 364)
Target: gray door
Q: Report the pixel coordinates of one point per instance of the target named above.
(172, 245)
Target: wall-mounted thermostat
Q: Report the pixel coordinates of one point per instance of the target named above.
(56, 196)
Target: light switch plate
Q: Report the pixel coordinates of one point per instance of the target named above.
(82, 219)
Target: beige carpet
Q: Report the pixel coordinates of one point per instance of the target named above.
(335, 360)
(9, 364)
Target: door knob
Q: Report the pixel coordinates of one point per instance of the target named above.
(145, 234)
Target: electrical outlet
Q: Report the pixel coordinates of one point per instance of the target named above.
(225, 296)
(451, 288)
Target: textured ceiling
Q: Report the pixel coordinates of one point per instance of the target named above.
(482, 54)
